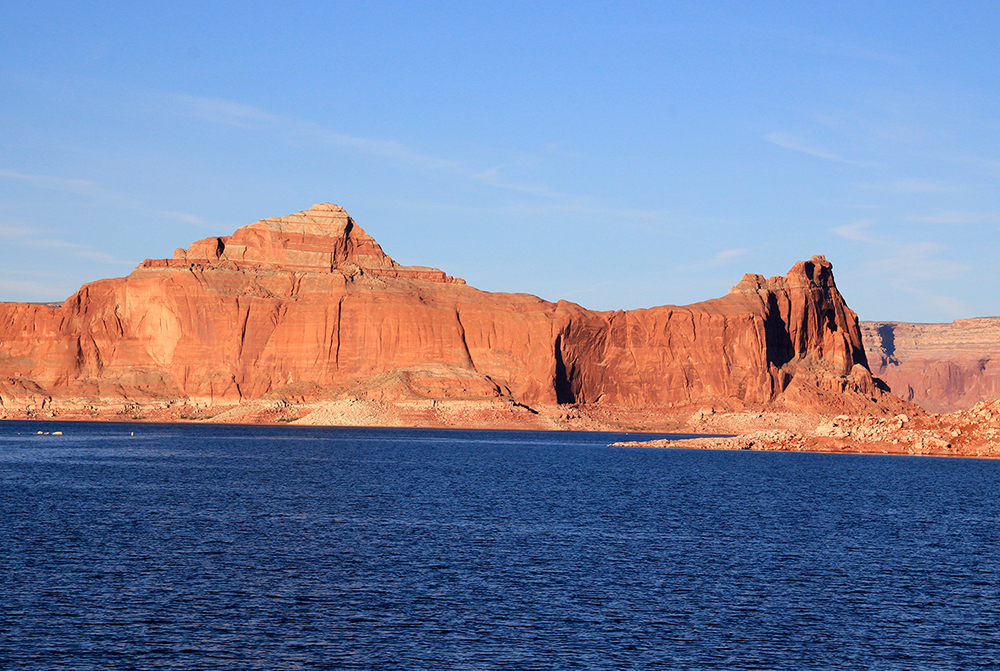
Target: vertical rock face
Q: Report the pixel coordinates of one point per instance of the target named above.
(310, 306)
(941, 367)
(748, 345)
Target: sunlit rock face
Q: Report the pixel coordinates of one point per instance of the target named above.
(308, 306)
(941, 367)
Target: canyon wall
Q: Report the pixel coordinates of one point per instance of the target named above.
(941, 367)
(309, 307)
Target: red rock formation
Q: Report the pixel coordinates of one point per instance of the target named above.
(941, 367)
(749, 345)
(309, 306)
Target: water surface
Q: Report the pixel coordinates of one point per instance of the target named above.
(193, 546)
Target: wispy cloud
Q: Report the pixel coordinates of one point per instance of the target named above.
(799, 143)
(94, 191)
(857, 231)
(727, 255)
(918, 260)
(74, 248)
(871, 129)
(915, 186)
(250, 118)
(951, 306)
(902, 259)
(246, 117)
(804, 144)
(494, 178)
(7, 231)
(192, 219)
(226, 112)
(645, 220)
(28, 288)
(21, 235)
(582, 208)
(818, 44)
(66, 185)
(956, 217)
(574, 293)
(956, 308)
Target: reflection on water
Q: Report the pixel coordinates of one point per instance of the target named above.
(302, 547)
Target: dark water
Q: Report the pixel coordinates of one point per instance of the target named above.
(189, 547)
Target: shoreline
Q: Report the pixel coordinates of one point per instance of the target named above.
(973, 433)
(723, 444)
(187, 422)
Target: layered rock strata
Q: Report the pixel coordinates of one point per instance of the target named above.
(307, 309)
(941, 367)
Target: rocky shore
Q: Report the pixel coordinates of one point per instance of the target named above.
(974, 432)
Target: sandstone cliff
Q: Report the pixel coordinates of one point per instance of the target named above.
(941, 367)
(307, 309)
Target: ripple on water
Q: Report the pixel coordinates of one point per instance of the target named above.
(290, 547)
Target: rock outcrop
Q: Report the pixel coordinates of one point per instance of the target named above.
(307, 309)
(941, 367)
(973, 432)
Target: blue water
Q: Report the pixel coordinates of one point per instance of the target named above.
(189, 547)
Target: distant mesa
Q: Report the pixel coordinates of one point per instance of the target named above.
(305, 316)
(941, 367)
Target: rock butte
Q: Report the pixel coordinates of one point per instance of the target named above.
(305, 318)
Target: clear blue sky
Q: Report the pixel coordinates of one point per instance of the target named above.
(619, 155)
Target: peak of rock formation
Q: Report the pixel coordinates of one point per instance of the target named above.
(322, 238)
(306, 310)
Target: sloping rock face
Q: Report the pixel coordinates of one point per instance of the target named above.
(308, 307)
(941, 367)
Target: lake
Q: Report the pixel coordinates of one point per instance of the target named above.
(156, 546)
